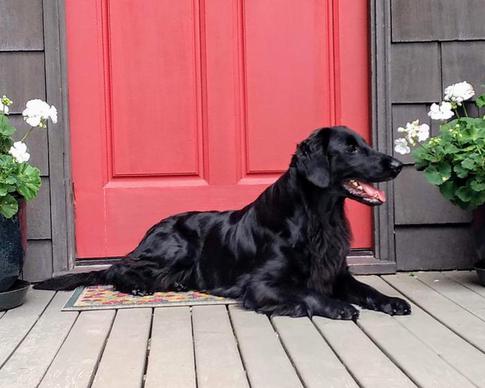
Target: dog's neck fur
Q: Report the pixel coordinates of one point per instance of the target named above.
(326, 237)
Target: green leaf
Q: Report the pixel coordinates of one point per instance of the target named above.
(445, 170)
(480, 101)
(29, 181)
(468, 163)
(433, 175)
(5, 128)
(460, 171)
(477, 185)
(447, 189)
(8, 206)
(464, 193)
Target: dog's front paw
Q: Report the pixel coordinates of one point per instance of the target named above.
(393, 306)
(341, 310)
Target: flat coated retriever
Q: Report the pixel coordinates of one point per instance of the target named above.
(283, 254)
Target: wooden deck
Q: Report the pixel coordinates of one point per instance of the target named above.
(442, 344)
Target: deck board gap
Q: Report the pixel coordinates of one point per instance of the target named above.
(103, 347)
(148, 348)
(60, 347)
(336, 354)
(389, 356)
(193, 345)
(28, 331)
(420, 305)
(237, 346)
(451, 300)
(424, 344)
(287, 353)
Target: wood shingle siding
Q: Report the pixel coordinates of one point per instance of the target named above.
(21, 27)
(437, 20)
(432, 44)
(415, 72)
(31, 67)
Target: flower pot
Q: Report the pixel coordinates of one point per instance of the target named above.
(478, 230)
(12, 247)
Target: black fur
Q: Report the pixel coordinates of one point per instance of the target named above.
(283, 254)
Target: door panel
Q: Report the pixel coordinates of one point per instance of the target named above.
(199, 104)
(287, 78)
(155, 87)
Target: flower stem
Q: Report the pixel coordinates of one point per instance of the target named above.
(27, 134)
(464, 110)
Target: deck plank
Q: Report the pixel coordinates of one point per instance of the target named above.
(315, 361)
(441, 308)
(416, 359)
(266, 362)
(171, 357)
(365, 361)
(28, 364)
(127, 346)
(74, 364)
(17, 322)
(462, 296)
(451, 347)
(468, 279)
(213, 337)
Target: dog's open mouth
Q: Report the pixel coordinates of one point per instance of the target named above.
(364, 192)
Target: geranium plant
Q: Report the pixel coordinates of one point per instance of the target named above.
(18, 179)
(454, 160)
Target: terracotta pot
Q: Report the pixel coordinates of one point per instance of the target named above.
(13, 243)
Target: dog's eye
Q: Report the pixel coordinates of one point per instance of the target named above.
(352, 148)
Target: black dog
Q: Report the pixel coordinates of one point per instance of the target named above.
(283, 254)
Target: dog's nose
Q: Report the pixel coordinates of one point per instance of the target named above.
(395, 165)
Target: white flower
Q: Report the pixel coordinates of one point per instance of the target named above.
(401, 146)
(37, 112)
(441, 112)
(19, 152)
(4, 104)
(459, 92)
(415, 132)
(422, 132)
(3, 108)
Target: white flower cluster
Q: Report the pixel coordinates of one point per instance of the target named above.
(37, 112)
(414, 133)
(19, 152)
(454, 96)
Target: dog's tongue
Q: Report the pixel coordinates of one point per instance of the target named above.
(371, 191)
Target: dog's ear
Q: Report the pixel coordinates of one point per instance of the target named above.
(311, 160)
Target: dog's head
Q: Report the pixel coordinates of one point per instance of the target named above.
(338, 159)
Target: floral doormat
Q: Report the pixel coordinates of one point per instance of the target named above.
(104, 298)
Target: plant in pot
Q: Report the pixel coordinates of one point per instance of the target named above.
(454, 160)
(19, 182)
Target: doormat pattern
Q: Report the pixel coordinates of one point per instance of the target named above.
(104, 298)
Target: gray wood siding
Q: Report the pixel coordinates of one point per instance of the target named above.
(30, 67)
(433, 43)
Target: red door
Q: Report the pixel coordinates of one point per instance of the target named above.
(180, 105)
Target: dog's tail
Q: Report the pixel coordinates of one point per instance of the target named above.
(71, 281)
